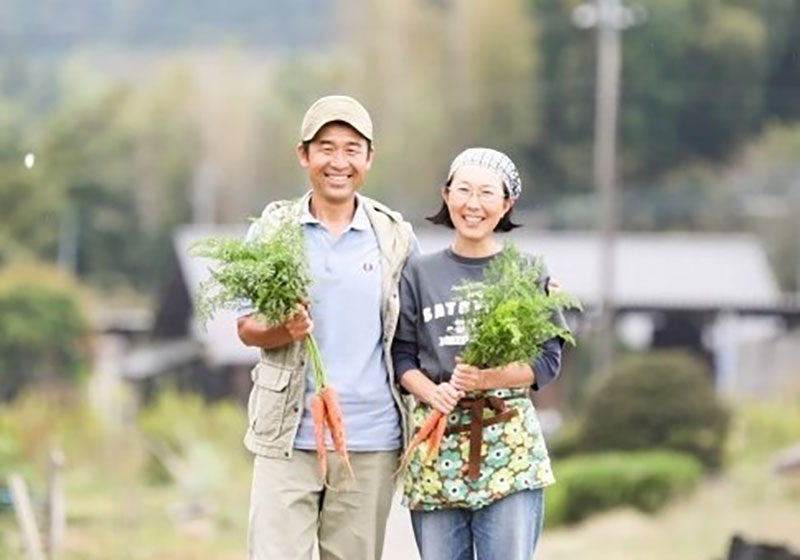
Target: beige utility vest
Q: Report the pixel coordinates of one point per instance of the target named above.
(276, 401)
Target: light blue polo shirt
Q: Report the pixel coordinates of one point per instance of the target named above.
(346, 310)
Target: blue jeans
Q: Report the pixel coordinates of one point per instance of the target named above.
(507, 529)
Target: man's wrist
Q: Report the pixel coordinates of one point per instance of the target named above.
(275, 337)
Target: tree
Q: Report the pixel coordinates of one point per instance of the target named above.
(28, 221)
(692, 86)
(439, 76)
(42, 329)
(121, 160)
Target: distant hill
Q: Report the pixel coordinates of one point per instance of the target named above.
(50, 26)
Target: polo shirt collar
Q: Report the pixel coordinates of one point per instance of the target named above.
(360, 219)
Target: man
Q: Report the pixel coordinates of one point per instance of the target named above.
(356, 249)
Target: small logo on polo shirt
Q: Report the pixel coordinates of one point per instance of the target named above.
(368, 267)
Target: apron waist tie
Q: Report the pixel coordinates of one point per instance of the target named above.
(476, 406)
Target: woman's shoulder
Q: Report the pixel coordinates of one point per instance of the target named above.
(537, 261)
(534, 259)
(424, 260)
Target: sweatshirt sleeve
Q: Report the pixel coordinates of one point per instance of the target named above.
(548, 365)
(405, 348)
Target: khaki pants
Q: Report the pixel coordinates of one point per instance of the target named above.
(290, 506)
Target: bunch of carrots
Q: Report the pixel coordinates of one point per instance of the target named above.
(270, 272)
(326, 413)
(432, 431)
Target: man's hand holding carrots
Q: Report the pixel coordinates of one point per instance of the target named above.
(299, 324)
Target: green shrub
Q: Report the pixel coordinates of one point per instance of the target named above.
(659, 400)
(587, 484)
(42, 329)
(566, 441)
(175, 419)
(198, 440)
(37, 420)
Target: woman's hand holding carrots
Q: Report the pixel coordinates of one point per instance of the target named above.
(467, 378)
(444, 397)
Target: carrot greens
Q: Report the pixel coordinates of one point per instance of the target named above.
(270, 272)
(510, 316)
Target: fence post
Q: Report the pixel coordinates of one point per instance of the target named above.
(25, 518)
(55, 504)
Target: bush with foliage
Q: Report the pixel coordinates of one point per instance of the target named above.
(566, 441)
(197, 443)
(587, 484)
(38, 420)
(659, 400)
(42, 328)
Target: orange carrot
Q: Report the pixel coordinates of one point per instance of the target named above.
(435, 440)
(335, 420)
(431, 422)
(318, 414)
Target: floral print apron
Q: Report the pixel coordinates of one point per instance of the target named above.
(512, 456)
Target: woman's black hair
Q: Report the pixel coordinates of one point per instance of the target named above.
(442, 217)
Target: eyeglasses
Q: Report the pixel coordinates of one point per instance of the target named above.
(486, 195)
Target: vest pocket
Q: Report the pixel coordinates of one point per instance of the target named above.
(268, 399)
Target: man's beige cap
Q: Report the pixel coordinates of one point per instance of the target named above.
(335, 108)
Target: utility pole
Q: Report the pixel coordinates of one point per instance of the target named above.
(609, 17)
(457, 70)
(67, 230)
(68, 241)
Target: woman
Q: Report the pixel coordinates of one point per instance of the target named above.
(484, 492)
